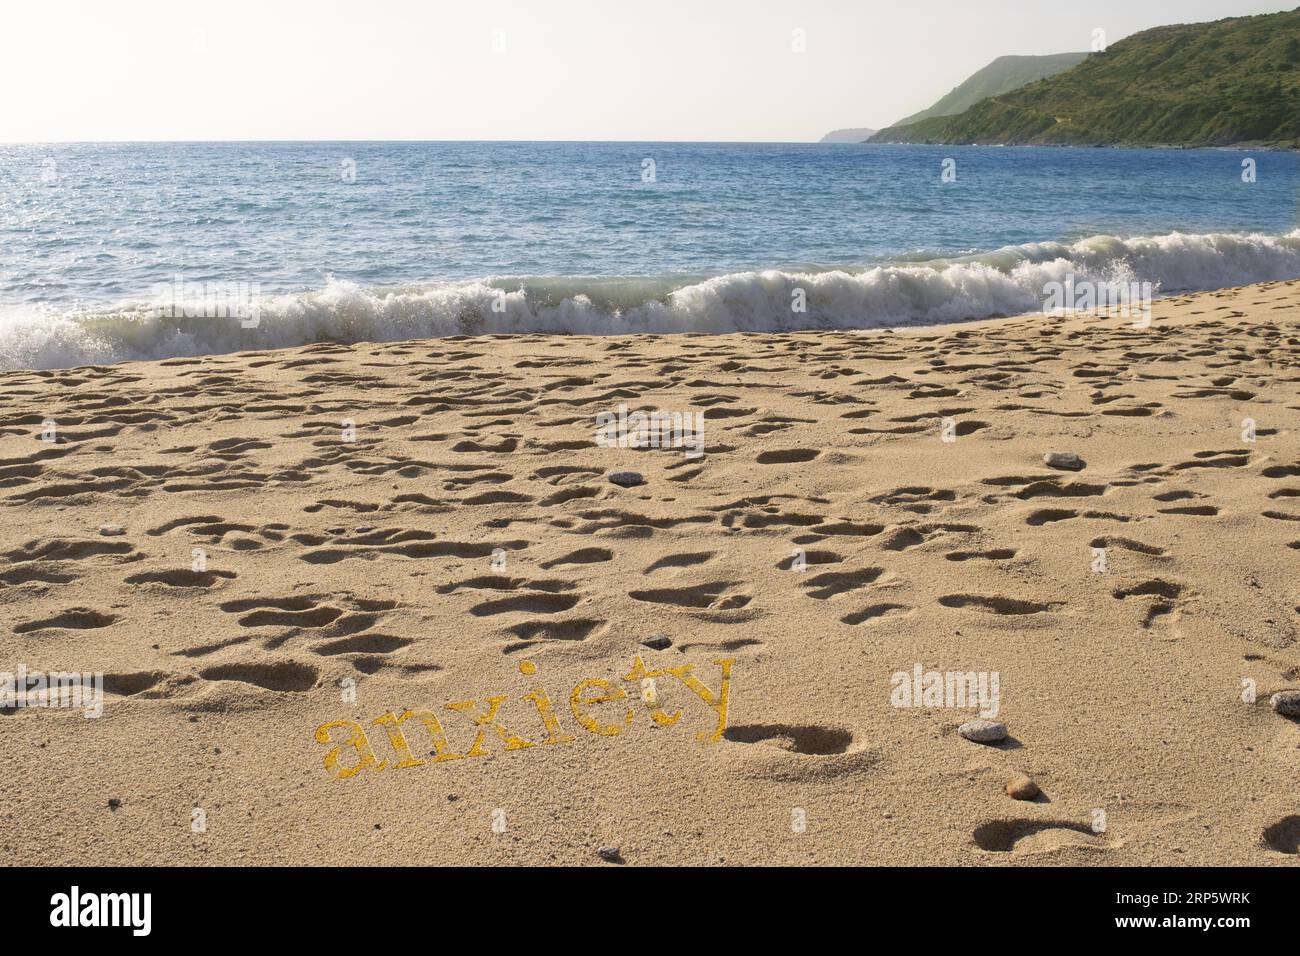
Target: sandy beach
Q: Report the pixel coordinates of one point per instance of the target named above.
(382, 604)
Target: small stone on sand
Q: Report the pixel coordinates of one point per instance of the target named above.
(983, 731)
(111, 530)
(626, 479)
(610, 854)
(1063, 459)
(1021, 787)
(1286, 703)
(657, 642)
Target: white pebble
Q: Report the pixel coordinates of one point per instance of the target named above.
(1063, 459)
(983, 731)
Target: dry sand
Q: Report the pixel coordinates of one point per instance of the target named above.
(372, 560)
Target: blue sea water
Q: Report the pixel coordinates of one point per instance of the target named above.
(394, 240)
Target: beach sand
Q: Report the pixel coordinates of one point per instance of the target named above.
(468, 546)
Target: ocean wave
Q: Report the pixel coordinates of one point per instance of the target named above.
(1006, 281)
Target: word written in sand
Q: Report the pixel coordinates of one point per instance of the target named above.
(599, 706)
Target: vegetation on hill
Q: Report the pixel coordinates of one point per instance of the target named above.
(1003, 75)
(1231, 82)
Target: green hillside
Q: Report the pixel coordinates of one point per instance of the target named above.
(1234, 81)
(1003, 75)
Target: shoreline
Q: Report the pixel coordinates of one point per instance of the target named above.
(961, 325)
(188, 319)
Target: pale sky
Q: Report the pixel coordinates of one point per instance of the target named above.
(510, 69)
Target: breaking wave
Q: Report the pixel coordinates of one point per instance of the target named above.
(1007, 281)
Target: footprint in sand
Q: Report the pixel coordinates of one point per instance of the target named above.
(848, 529)
(799, 753)
(995, 554)
(1165, 594)
(1127, 544)
(687, 559)
(713, 596)
(73, 619)
(1283, 836)
(532, 603)
(69, 549)
(310, 617)
(287, 676)
(149, 684)
(362, 644)
(795, 738)
(876, 612)
(573, 629)
(581, 556)
(1048, 515)
(831, 583)
(1024, 836)
(811, 557)
(998, 605)
(787, 456)
(181, 578)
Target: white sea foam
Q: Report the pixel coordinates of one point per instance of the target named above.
(1004, 282)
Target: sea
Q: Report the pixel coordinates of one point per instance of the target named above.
(119, 251)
